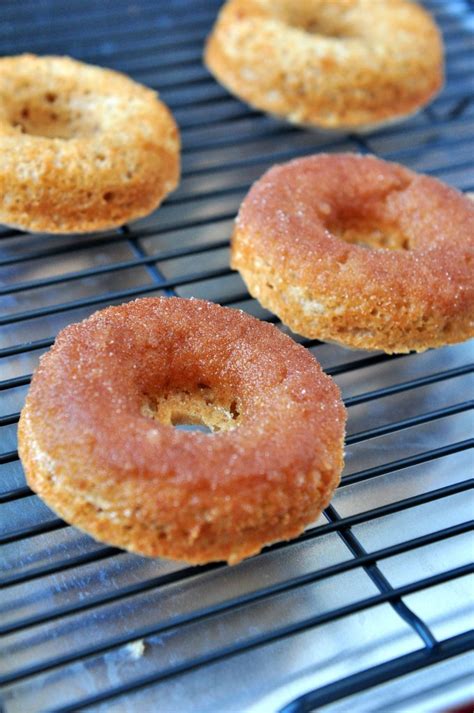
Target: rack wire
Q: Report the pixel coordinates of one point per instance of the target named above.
(374, 594)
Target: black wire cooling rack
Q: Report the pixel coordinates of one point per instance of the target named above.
(369, 609)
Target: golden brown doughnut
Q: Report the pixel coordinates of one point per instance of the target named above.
(345, 64)
(96, 442)
(82, 148)
(359, 251)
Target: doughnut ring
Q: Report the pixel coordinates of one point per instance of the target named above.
(359, 251)
(83, 148)
(349, 64)
(266, 472)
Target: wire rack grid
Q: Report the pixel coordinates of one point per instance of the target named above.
(370, 606)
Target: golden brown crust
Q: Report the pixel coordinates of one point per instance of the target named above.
(345, 64)
(302, 244)
(93, 451)
(82, 148)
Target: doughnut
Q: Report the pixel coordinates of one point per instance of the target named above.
(359, 251)
(82, 148)
(350, 64)
(98, 445)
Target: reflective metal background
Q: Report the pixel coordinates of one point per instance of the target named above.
(378, 587)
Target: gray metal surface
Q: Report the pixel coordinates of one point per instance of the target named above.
(258, 635)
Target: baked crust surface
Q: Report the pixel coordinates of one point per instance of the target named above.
(96, 442)
(350, 64)
(82, 148)
(359, 251)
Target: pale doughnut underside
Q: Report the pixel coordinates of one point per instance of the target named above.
(82, 148)
(352, 64)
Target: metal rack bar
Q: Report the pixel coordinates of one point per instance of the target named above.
(382, 583)
(380, 674)
(384, 553)
(262, 640)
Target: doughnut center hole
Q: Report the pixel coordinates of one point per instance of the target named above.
(328, 20)
(196, 409)
(49, 116)
(314, 26)
(373, 235)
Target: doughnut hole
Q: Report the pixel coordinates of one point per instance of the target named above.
(369, 224)
(323, 18)
(48, 115)
(371, 234)
(195, 409)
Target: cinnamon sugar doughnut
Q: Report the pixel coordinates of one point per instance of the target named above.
(359, 251)
(350, 64)
(82, 148)
(97, 444)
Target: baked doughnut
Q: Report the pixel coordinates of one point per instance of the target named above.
(82, 148)
(359, 251)
(97, 444)
(350, 64)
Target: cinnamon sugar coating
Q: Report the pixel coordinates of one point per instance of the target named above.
(96, 442)
(81, 148)
(340, 65)
(359, 251)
